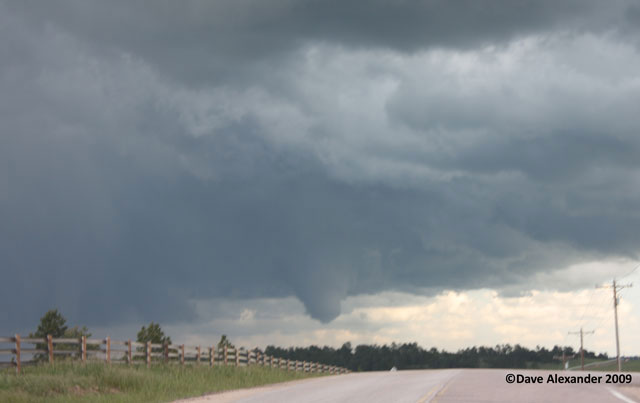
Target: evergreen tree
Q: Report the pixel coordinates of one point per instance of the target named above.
(52, 323)
(153, 333)
(224, 342)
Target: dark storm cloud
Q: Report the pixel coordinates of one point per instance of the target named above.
(156, 156)
(233, 41)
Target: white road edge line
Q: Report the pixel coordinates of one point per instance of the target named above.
(621, 396)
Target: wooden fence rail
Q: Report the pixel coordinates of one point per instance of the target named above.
(126, 351)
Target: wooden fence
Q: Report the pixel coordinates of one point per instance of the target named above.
(128, 352)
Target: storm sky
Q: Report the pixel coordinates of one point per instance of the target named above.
(158, 156)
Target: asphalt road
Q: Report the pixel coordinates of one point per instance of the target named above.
(463, 385)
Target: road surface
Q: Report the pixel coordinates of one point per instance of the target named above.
(452, 385)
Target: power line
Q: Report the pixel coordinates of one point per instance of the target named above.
(586, 307)
(631, 272)
(602, 319)
(598, 314)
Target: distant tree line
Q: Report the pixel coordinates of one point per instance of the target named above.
(361, 358)
(411, 356)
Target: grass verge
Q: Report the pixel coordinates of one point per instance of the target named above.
(595, 365)
(97, 382)
(627, 366)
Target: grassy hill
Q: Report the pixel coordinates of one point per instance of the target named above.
(592, 364)
(628, 366)
(96, 382)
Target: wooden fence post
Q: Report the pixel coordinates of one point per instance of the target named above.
(225, 355)
(198, 355)
(17, 338)
(50, 348)
(83, 349)
(129, 355)
(108, 343)
(148, 354)
(212, 358)
(166, 352)
(182, 355)
(237, 357)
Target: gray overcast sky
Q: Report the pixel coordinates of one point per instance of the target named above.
(153, 154)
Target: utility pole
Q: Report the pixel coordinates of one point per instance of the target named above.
(615, 288)
(581, 333)
(564, 358)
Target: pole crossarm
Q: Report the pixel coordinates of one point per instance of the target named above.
(564, 357)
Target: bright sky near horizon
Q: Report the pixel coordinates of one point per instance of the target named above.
(450, 321)
(295, 172)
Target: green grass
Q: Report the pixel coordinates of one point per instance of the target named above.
(629, 366)
(557, 365)
(97, 382)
